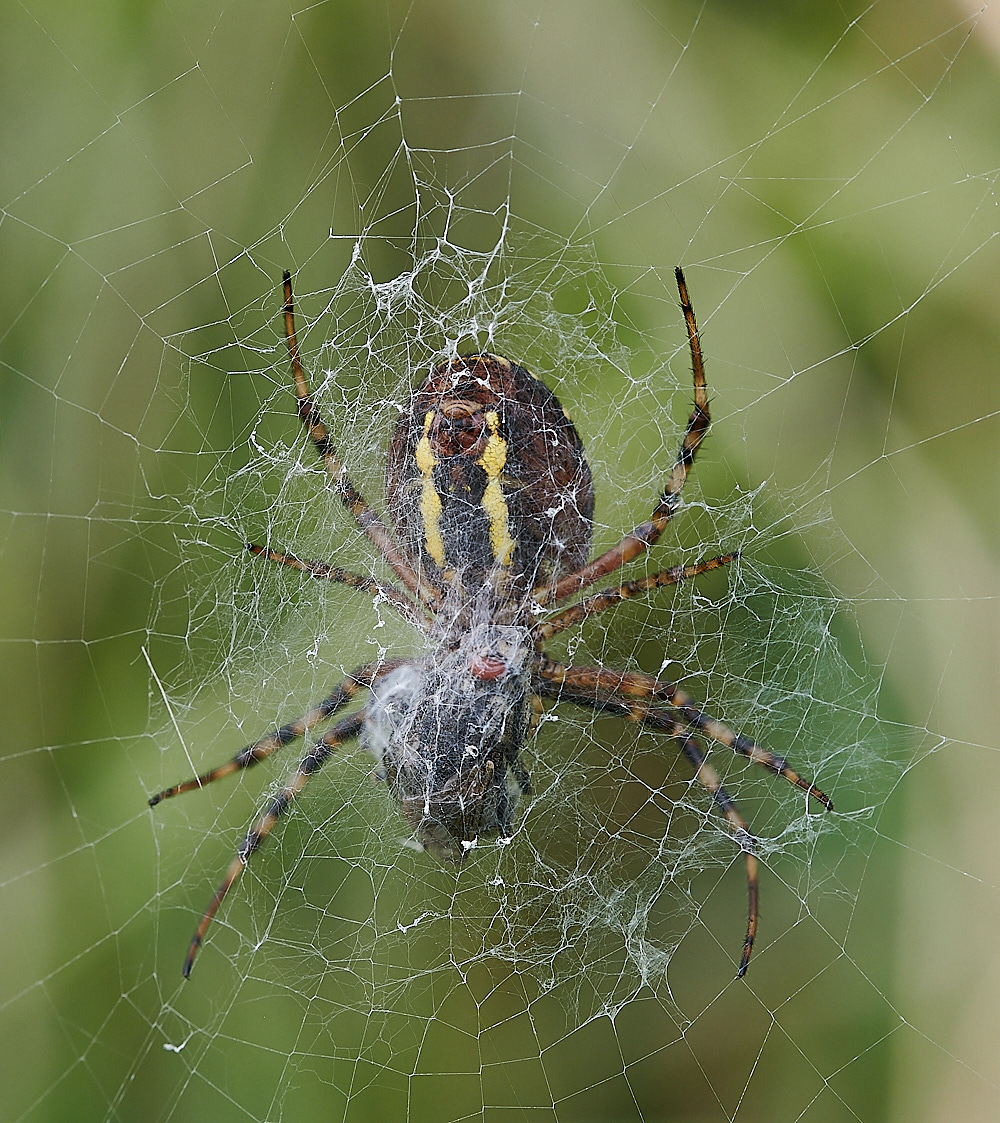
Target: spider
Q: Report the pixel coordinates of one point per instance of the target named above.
(491, 505)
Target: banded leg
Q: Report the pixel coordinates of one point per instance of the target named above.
(705, 774)
(616, 687)
(357, 681)
(326, 572)
(353, 500)
(345, 729)
(607, 598)
(647, 533)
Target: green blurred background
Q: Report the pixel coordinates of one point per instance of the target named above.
(826, 173)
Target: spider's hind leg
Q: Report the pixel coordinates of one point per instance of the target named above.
(366, 518)
(324, 571)
(648, 533)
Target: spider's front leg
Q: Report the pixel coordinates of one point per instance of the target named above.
(345, 729)
(706, 775)
(638, 694)
(260, 750)
(640, 698)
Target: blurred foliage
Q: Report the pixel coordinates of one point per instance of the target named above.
(826, 174)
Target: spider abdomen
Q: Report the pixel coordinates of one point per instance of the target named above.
(486, 472)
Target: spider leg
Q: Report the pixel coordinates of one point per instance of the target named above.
(353, 500)
(326, 572)
(607, 685)
(647, 533)
(345, 729)
(357, 681)
(607, 598)
(704, 773)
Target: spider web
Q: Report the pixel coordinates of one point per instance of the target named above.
(521, 178)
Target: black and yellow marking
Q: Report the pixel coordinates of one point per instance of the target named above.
(430, 500)
(493, 502)
(493, 461)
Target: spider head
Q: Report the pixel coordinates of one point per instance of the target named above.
(446, 732)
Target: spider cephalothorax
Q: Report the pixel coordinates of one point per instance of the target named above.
(446, 732)
(491, 502)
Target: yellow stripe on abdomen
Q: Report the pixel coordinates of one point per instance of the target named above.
(493, 461)
(430, 501)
